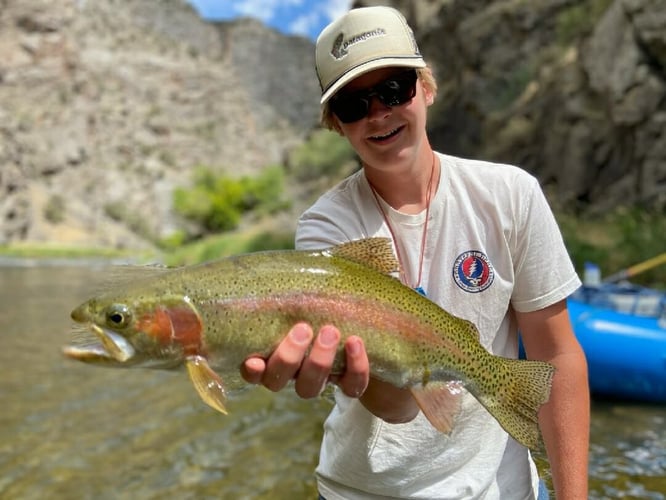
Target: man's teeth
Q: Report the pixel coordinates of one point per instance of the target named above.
(388, 134)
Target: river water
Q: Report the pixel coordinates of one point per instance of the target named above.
(68, 430)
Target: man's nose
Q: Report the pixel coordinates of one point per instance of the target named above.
(376, 108)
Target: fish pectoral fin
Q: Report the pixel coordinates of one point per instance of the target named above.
(207, 383)
(439, 402)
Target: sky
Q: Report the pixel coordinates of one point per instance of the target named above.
(294, 17)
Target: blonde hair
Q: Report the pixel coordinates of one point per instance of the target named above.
(424, 75)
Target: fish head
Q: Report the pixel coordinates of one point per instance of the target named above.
(158, 333)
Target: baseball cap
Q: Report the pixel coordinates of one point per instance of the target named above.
(362, 40)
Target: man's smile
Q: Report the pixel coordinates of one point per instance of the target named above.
(387, 135)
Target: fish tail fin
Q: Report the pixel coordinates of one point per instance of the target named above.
(515, 402)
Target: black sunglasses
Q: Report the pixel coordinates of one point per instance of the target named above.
(394, 91)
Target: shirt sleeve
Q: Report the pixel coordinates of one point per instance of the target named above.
(337, 217)
(316, 230)
(544, 273)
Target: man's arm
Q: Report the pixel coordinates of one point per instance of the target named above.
(565, 419)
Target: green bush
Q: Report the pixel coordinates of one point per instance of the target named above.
(325, 153)
(218, 202)
(272, 241)
(265, 194)
(229, 243)
(55, 209)
(617, 240)
(174, 240)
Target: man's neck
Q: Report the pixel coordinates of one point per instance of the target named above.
(407, 189)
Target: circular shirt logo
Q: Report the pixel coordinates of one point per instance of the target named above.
(473, 272)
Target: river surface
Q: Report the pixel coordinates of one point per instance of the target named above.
(68, 430)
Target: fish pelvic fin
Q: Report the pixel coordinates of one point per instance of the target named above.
(207, 383)
(439, 402)
(376, 253)
(515, 402)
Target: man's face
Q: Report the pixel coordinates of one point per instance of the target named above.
(388, 134)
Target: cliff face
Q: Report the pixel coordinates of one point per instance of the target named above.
(105, 107)
(574, 91)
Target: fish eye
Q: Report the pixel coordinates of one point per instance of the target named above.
(118, 315)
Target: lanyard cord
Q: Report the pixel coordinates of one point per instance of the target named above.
(403, 276)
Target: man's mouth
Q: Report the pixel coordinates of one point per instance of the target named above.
(388, 135)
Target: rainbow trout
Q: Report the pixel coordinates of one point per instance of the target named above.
(212, 316)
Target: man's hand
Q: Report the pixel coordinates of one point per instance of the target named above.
(311, 371)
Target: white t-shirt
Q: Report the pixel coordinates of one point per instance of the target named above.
(492, 246)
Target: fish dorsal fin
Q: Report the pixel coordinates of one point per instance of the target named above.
(376, 253)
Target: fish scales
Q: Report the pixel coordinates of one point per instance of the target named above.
(211, 317)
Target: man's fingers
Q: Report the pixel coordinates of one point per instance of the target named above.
(252, 370)
(317, 366)
(356, 377)
(287, 358)
(311, 370)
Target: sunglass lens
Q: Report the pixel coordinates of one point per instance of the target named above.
(350, 108)
(398, 90)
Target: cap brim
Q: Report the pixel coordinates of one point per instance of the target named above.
(410, 62)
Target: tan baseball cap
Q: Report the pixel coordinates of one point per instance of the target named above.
(360, 41)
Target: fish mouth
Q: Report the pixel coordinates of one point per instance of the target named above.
(110, 347)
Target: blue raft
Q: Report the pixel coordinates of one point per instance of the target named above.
(622, 329)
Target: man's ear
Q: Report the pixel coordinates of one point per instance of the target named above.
(429, 97)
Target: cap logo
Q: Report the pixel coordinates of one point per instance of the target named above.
(341, 46)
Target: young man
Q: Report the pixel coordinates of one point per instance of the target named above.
(479, 240)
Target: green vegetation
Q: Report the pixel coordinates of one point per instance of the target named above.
(55, 209)
(217, 202)
(50, 251)
(617, 240)
(325, 154)
(230, 243)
